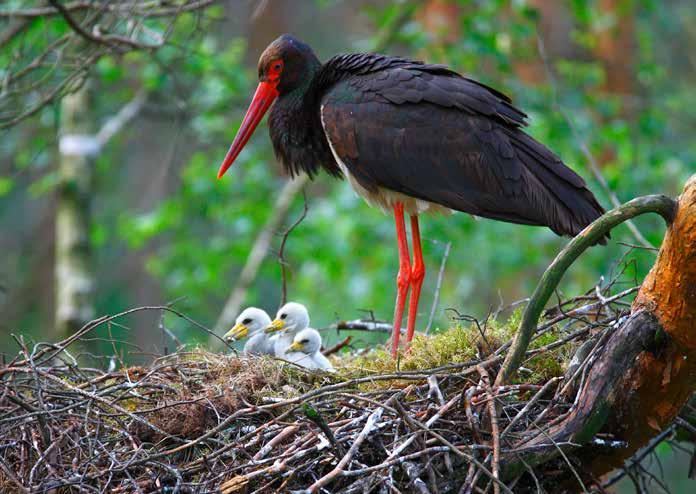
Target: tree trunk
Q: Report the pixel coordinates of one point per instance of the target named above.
(74, 283)
(646, 371)
(616, 47)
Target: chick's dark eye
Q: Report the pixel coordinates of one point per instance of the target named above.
(246, 321)
(304, 341)
(283, 316)
(277, 66)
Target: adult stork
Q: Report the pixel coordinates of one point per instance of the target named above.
(411, 138)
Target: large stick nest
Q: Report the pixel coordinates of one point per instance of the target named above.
(202, 422)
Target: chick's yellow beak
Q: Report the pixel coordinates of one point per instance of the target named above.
(275, 326)
(237, 332)
(295, 347)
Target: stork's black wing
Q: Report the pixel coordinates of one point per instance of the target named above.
(443, 138)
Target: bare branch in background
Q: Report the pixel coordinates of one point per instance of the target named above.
(438, 286)
(591, 161)
(258, 252)
(42, 62)
(366, 325)
(281, 254)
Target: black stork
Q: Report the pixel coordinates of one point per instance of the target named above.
(411, 138)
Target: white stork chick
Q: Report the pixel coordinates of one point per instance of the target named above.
(252, 321)
(290, 320)
(306, 351)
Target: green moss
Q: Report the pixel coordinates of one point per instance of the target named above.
(460, 343)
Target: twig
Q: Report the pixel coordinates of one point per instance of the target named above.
(369, 426)
(281, 252)
(495, 431)
(282, 436)
(111, 40)
(258, 252)
(366, 325)
(528, 406)
(338, 346)
(654, 443)
(438, 286)
(10, 475)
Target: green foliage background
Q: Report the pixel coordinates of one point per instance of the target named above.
(165, 229)
(194, 237)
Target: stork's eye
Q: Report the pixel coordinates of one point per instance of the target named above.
(275, 68)
(304, 341)
(246, 321)
(283, 316)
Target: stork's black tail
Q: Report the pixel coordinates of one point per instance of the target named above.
(575, 206)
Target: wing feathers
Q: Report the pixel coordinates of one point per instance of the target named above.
(467, 163)
(426, 131)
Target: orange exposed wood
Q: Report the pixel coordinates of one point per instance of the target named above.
(669, 290)
(645, 372)
(663, 376)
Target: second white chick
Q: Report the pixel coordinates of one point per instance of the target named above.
(252, 321)
(306, 351)
(290, 320)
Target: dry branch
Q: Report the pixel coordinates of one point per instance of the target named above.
(48, 61)
(258, 252)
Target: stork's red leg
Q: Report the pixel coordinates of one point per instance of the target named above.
(403, 279)
(417, 276)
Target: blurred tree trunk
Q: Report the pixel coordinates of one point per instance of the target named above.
(616, 50)
(616, 47)
(74, 283)
(440, 18)
(555, 23)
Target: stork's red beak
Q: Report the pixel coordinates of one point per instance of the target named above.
(265, 94)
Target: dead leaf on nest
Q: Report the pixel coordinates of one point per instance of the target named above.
(235, 484)
(652, 422)
(667, 374)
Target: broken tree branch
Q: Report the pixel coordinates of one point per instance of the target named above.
(662, 205)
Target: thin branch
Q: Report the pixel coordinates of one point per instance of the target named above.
(592, 162)
(438, 286)
(338, 346)
(111, 40)
(365, 325)
(157, 8)
(281, 253)
(258, 252)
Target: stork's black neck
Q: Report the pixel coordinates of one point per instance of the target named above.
(296, 131)
(295, 124)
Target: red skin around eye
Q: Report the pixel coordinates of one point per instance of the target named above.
(276, 67)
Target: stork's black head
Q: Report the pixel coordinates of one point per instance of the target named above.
(285, 66)
(288, 61)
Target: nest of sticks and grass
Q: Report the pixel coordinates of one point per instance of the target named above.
(196, 421)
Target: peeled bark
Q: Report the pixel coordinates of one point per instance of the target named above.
(74, 283)
(646, 370)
